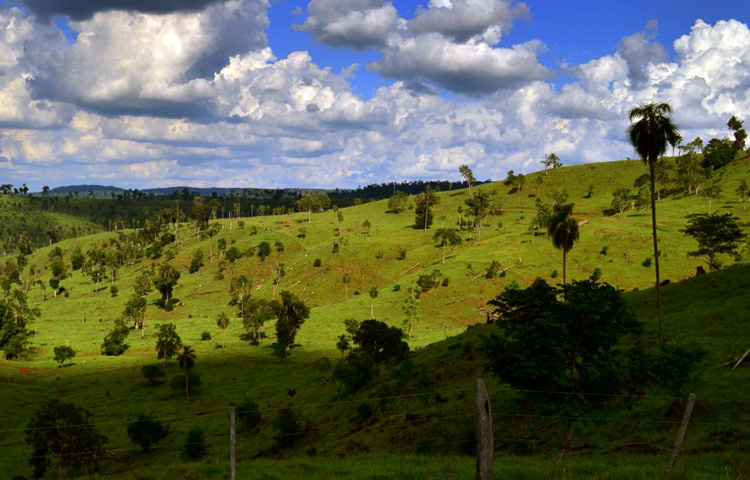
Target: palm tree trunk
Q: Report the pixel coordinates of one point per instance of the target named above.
(187, 390)
(565, 258)
(651, 166)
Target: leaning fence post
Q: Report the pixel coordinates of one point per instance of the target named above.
(231, 443)
(484, 432)
(680, 436)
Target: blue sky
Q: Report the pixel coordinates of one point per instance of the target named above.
(340, 93)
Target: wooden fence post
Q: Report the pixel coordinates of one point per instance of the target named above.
(680, 436)
(485, 437)
(231, 443)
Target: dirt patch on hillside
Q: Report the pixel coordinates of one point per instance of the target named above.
(25, 371)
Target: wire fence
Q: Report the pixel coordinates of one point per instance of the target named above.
(401, 426)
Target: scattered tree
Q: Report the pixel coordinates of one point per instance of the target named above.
(145, 431)
(423, 209)
(168, 342)
(62, 431)
(63, 353)
(114, 341)
(186, 361)
(563, 231)
(373, 295)
(291, 313)
(551, 161)
(195, 444)
(548, 344)
(650, 135)
(468, 175)
(445, 237)
(715, 234)
(155, 374)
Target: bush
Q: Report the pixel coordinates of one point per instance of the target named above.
(647, 262)
(195, 444)
(446, 282)
(553, 274)
(397, 288)
(155, 374)
(205, 336)
(114, 342)
(317, 262)
(287, 426)
(178, 382)
(401, 254)
(355, 372)
(241, 224)
(493, 271)
(364, 411)
(248, 414)
(113, 290)
(62, 353)
(604, 250)
(146, 431)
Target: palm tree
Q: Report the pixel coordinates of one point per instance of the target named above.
(563, 230)
(186, 360)
(650, 135)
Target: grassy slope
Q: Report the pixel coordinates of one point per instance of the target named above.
(705, 310)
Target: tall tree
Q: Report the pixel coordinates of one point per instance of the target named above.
(291, 313)
(447, 236)
(167, 342)
(186, 361)
(563, 230)
(551, 161)
(423, 208)
(468, 175)
(650, 131)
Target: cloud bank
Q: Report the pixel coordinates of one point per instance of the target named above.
(214, 105)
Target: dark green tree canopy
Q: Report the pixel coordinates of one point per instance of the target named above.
(380, 342)
(145, 431)
(560, 345)
(291, 313)
(61, 431)
(715, 234)
(168, 341)
(652, 131)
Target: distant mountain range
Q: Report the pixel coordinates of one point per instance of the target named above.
(102, 191)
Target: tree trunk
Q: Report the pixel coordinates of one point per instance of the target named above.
(443, 253)
(651, 166)
(565, 258)
(187, 389)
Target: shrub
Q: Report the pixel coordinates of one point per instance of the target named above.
(553, 274)
(113, 290)
(355, 372)
(155, 374)
(401, 254)
(397, 288)
(241, 224)
(195, 444)
(249, 415)
(317, 262)
(446, 282)
(287, 426)
(493, 271)
(205, 336)
(178, 382)
(604, 250)
(146, 431)
(364, 411)
(647, 262)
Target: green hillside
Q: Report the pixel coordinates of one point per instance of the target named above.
(415, 420)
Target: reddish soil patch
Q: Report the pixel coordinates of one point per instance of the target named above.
(25, 371)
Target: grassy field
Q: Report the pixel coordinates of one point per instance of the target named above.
(420, 424)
